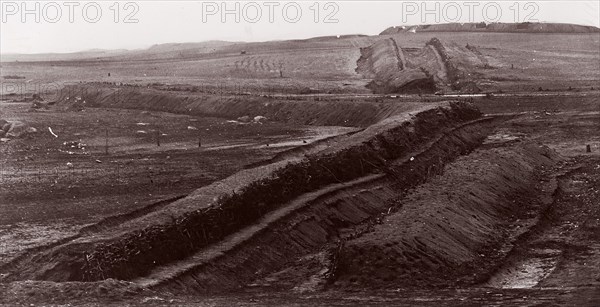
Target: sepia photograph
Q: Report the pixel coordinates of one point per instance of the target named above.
(299, 153)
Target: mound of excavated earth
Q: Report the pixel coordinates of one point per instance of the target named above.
(402, 202)
(452, 229)
(356, 113)
(14, 129)
(202, 236)
(436, 67)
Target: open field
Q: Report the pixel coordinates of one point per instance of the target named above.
(518, 62)
(272, 174)
(49, 181)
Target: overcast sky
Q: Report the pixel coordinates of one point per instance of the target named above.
(82, 25)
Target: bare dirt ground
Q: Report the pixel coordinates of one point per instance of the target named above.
(555, 262)
(517, 62)
(50, 191)
(561, 251)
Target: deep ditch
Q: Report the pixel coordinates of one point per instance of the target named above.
(455, 229)
(343, 217)
(316, 221)
(315, 112)
(137, 253)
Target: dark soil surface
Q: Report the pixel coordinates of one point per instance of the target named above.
(542, 88)
(555, 262)
(52, 186)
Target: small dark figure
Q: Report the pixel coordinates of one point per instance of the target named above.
(109, 74)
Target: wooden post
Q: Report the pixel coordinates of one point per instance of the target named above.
(158, 136)
(106, 142)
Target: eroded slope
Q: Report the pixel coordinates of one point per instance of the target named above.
(452, 229)
(436, 67)
(212, 213)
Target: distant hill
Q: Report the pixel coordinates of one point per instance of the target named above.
(172, 50)
(331, 37)
(170, 47)
(203, 50)
(524, 27)
(88, 54)
(169, 50)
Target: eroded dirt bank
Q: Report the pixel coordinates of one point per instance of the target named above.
(562, 250)
(438, 66)
(231, 105)
(208, 215)
(452, 229)
(568, 226)
(294, 247)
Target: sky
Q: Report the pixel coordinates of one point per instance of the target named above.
(70, 26)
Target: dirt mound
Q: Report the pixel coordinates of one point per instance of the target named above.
(297, 248)
(524, 27)
(211, 213)
(360, 113)
(367, 151)
(458, 64)
(15, 129)
(450, 229)
(384, 63)
(437, 66)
